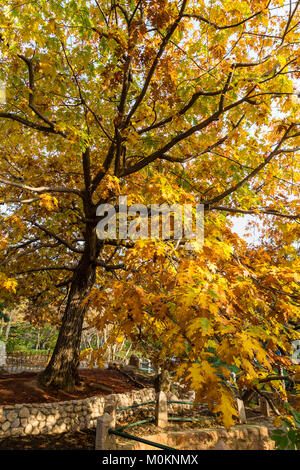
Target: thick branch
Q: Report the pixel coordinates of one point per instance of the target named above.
(33, 125)
(31, 96)
(182, 136)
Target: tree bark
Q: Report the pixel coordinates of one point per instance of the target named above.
(38, 340)
(8, 326)
(62, 369)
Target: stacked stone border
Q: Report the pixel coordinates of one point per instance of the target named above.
(58, 417)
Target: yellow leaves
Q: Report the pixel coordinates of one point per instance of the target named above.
(120, 338)
(277, 422)
(109, 185)
(96, 357)
(84, 354)
(203, 379)
(2, 93)
(220, 249)
(199, 374)
(179, 348)
(263, 113)
(52, 26)
(214, 308)
(132, 299)
(48, 202)
(264, 18)
(8, 284)
(200, 326)
(218, 51)
(226, 407)
(166, 297)
(47, 68)
(3, 243)
(192, 296)
(14, 221)
(132, 137)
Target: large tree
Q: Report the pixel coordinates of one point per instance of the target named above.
(165, 101)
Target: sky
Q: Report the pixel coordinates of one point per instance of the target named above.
(240, 225)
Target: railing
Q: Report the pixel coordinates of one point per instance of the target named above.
(119, 430)
(23, 361)
(145, 364)
(104, 432)
(140, 439)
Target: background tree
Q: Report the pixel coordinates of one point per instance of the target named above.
(165, 101)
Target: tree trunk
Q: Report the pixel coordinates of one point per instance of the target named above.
(38, 340)
(7, 331)
(62, 369)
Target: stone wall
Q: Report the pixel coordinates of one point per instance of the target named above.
(57, 417)
(76, 415)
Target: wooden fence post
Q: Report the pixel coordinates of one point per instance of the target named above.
(110, 408)
(104, 440)
(264, 407)
(241, 410)
(161, 410)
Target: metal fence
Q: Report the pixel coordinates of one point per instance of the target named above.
(21, 361)
(35, 361)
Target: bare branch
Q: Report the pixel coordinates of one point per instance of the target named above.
(109, 267)
(33, 125)
(55, 236)
(49, 268)
(254, 211)
(41, 189)
(218, 27)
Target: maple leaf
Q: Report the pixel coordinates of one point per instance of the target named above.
(48, 202)
(227, 408)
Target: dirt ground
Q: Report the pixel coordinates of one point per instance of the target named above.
(24, 388)
(80, 440)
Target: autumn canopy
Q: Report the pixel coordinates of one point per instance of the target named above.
(164, 101)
